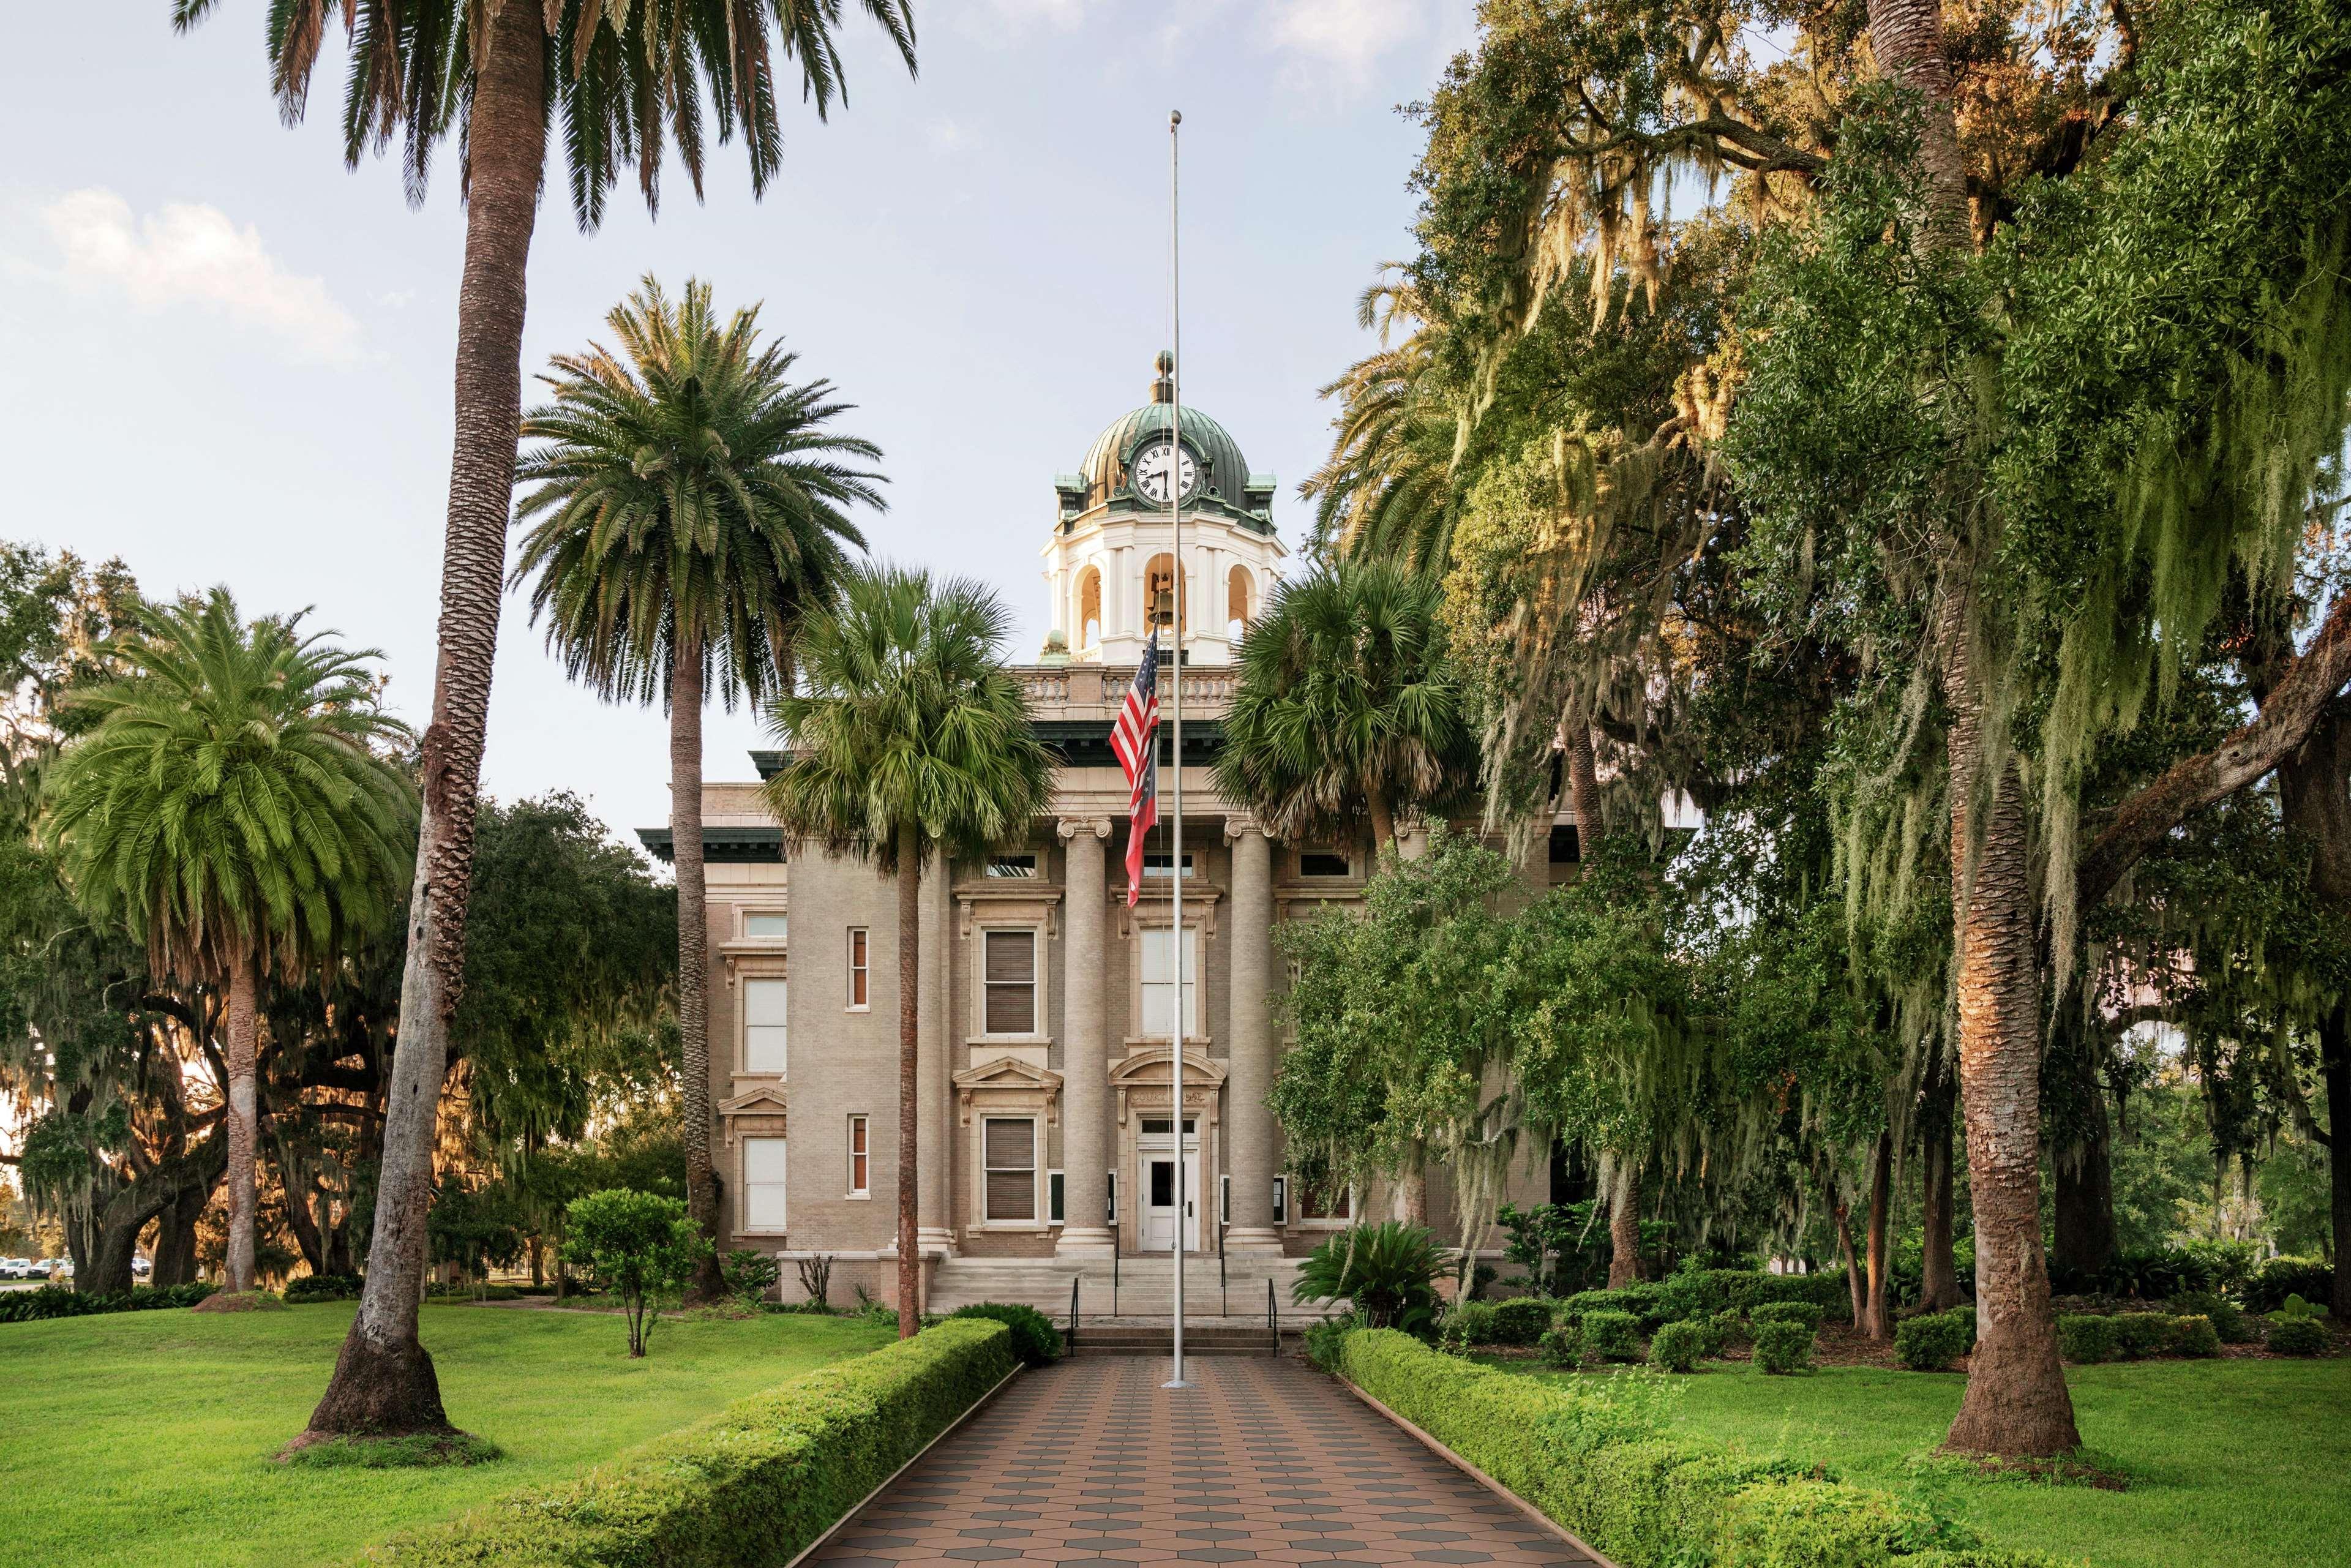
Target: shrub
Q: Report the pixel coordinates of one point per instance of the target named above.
(755, 1483)
(322, 1287)
(2227, 1318)
(1523, 1319)
(1612, 1336)
(64, 1301)
(1809, 1314)
(638, 1245)
(1784, 1344)
(2085, 1337)
(1594, 1456)
(2296, 1335)
(2148, 1276)
(1930, 1344)
(1387, 1271)
(1562, 1343)
(1679, 1347)
(1324, 1338)
(1468, 1324)
(2194, 1336)
(1035, 1340)
(749, 1275)
(1722, 1330)
(2269, 1286)
(1691, 1293)
(2141, 1334)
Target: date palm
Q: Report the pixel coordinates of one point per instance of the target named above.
(908, 739)
(233, 807)
(625, 83)
(691, 507)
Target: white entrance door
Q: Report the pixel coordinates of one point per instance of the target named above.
(1163, 1202)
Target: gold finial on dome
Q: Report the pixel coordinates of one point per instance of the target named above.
(1163, 382)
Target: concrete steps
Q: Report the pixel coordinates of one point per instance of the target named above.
(1137, 1288)
(1199, 1339)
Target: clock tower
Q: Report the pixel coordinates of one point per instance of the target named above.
(1110, 558)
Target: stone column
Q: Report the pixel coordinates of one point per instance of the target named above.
(1085, 1069)
(1249, 1067)
(934, 1066)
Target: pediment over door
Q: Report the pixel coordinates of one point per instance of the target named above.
(1144, 1082)
(1009, 1084)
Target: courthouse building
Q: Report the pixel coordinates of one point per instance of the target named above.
(1048, 1138)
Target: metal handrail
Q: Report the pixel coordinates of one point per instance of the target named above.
(1273, 1316)
(1073, 1313)
(1224, 1307)
(1113, 1282)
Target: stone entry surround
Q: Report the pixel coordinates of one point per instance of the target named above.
(1265, 1461)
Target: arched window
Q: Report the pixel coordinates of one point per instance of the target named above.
(1090, 613)
(1237, 602)
(1159, 590)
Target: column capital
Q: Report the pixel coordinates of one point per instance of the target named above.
(1240, 825)
(1071, 827)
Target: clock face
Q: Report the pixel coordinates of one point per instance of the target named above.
(1153, 465)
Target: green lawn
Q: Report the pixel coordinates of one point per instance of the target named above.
(2235, 1464)
(144, 1437)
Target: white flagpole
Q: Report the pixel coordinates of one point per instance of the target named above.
(1176, 879)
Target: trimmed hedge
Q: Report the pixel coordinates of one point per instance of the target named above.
(1522, 1319)
(1812, 1315)
(755, 1483)
(65, 1301)
(1931, 1343)
(1784, 1344)
(1680, 1347)
(2134, 1336)
(1612, 1336)
(1035, 1340)
(323, 1288)
(1601, 1467)
(1702, 1292)
(2296, 1336)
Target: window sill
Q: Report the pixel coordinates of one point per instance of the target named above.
(858, 1007)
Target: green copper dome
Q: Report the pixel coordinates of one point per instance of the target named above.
(1226, 483)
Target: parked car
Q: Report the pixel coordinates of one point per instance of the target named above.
(140, 1267)
(40, 1268)
(16, 1268)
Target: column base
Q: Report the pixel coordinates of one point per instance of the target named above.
(1241, 1239)
(1085, 1241)
(935, 1239)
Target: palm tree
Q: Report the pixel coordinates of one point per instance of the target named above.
(1387, 487)
(1348, 710)
(691, 500)
(908, 739)
(233, 807)
(627, 82)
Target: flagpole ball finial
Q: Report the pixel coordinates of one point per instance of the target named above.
(1175, 118)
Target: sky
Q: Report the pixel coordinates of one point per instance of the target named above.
(226, 358)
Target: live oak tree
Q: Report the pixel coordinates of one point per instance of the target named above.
(908, 741)
(233, 808)
(689, 503)
(624, 84)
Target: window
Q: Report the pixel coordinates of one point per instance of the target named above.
(763, 1026)
(763, 1185)
(860, 1167)
(1055, 1191)
(1159, 593)
(1012, 866)
(1322, 862)
(1237, 601)
(1008, 1150)
(1162, 865)
(764, 925)
(1564, 847)
(1159, 982)
(857, 964)
(1281, 1200)
(1010, 1006)
(1223, 1199)
(1090, 608)
(1318, 1200)
(1110, 1199)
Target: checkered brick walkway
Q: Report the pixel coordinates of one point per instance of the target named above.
(1266, 1461)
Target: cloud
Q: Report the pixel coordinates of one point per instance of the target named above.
(188, 254)
(1336, 43)
(947, 136)
(998, 17)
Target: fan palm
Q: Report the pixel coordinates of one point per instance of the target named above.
(908, 739)
(1386, 489)
(232, 807)
(1348, 710)
(627, 81)
(690, 503)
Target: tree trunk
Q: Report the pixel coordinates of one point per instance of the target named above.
(910, 968)
(693, 952)
(1412, 1188)
(1625, 1225)
(2016, 1401)
(1383, 830)
(2314, 795)
(1907, 38)
(1938, 1283)
(1878, 1321)
(300, 1218)
(175, 1236)
(244, 1123)
(384, 1380)
(1583, 790)
(2083, 1242)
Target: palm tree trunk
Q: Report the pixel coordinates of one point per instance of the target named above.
(693, 951)
(2016, 1401)
(1625, 1225)
(1384, 829)
(383, 1380)
(1938, 1283)
(1583, 790)
(1878, 1324)
(910, 968)
(244, 1119)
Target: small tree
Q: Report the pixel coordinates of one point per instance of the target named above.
(637, 1246)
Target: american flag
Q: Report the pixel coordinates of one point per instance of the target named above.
(1135, 738)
